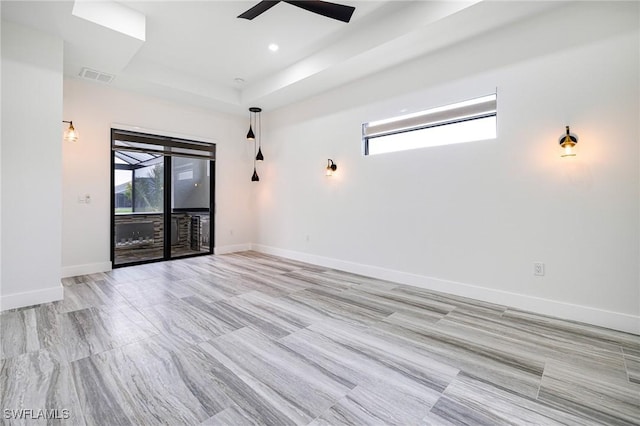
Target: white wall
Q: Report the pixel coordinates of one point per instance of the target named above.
(86, 168)
(31, 166)
(472, 218)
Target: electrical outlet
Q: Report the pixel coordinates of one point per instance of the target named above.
(538, 268)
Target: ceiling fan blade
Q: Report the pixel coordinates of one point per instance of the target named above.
(330, 10)
(258, 9)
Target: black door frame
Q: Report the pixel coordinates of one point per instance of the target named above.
(169, 143)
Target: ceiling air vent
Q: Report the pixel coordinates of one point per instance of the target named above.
(94, 75)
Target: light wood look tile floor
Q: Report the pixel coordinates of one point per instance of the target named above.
(246, 339)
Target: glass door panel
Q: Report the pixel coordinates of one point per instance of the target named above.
(138, 207)
(190, 206)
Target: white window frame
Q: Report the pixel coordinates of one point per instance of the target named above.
(459, 112)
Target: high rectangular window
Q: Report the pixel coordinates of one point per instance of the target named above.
(467, 121)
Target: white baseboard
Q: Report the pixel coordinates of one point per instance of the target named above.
(86, 269)
(586, 314)
(29, 298)
(232, 248)
(94, 268)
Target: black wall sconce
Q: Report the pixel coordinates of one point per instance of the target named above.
(331, 167)
(568, 144)
(71, 134)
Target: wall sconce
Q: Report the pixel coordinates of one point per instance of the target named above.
(331, 167)
(568, 144)
(71, 134)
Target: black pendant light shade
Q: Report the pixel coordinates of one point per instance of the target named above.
(255, 177)
(260, 157)
(250, 135)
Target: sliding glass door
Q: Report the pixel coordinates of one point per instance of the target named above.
(162, 198)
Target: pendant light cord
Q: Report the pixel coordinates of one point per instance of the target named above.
(260, 129)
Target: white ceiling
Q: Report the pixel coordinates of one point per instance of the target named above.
(195, 50)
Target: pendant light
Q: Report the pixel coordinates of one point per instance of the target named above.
(254, 177)
(254, 122)
(259, 156)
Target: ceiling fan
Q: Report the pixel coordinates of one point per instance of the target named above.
(330, 10)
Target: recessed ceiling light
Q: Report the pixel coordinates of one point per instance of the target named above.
(274, 47)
